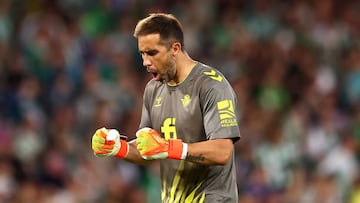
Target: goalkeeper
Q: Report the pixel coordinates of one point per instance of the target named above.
(189, 119)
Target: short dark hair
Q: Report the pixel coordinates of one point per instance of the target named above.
(167, 25)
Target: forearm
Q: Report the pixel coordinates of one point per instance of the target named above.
(151, 145)
(211, 152)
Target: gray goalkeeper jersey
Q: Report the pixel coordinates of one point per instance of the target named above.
(202, 107)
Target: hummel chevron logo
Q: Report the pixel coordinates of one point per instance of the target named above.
(213, 75)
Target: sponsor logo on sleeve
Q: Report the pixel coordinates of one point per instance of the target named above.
(226, 113)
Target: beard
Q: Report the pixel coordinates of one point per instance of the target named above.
(170, 68)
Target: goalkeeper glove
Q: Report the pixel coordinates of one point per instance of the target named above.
(152, 146)
(107, 142)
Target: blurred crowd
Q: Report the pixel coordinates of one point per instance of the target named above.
(69, 67)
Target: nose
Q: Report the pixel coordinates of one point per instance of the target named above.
(146, 61)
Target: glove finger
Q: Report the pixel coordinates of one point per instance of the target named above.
(98, 139)
(98, 148)
(141, 135)
(147, 157)
(107, 147)
(109, 142)
(162, 155)
(140, 145)
(139, 141)
(96, 145)
(100, 154)
(142, 131)
(99, 151)
(102, 132)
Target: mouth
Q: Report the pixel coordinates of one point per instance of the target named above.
(156, 76)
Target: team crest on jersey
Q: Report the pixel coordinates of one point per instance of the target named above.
(226, 113)
(157, 102)
(186, 100)
(214, 75)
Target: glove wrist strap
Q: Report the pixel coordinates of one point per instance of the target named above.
(177, 149)
(124, 149)
(184, 151)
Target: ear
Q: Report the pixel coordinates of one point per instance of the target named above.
(176, 48)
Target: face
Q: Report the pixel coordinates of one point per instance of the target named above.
(157, 58)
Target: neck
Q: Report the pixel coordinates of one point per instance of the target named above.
(184, 65)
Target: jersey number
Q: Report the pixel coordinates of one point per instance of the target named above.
(169, 129)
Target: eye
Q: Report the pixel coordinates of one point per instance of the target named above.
(149, 53)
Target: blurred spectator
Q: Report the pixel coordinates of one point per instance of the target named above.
(276, 157)
(354, 194)
(321, 188)
(341, 162)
